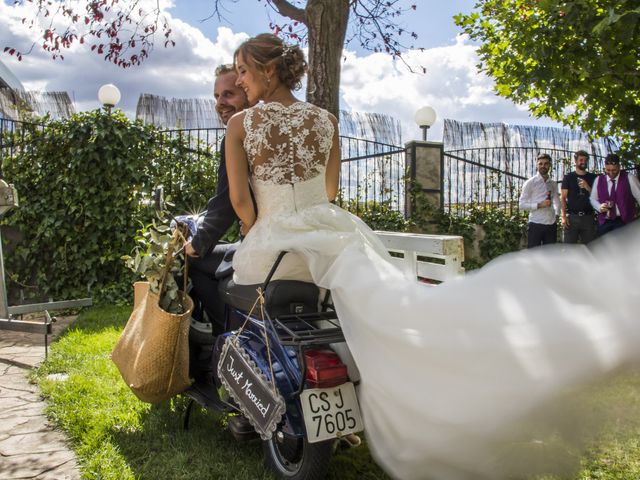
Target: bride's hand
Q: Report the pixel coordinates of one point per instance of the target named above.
(244, 228)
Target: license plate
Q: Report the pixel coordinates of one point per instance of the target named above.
(330, 412)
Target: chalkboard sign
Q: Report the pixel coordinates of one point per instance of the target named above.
(250, 388)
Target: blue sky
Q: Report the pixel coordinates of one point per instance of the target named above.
(369, 83)
(432, 20)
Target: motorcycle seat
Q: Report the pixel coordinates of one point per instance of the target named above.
(282, 297)
(225, 268)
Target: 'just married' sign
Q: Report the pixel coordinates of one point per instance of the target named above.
(249, 387)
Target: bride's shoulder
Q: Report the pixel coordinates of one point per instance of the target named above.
(321, 112)
(236, 122)
(326, 115)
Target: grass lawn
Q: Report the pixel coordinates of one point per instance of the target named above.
(118, 437)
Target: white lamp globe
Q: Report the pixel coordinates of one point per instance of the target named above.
(109, 95)
(425, 117)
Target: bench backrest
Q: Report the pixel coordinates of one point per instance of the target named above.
(431, 258)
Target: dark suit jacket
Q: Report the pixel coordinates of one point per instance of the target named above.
(220, 215)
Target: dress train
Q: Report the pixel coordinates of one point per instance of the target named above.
(449, 373)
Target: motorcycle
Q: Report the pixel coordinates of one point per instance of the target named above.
(275, 366)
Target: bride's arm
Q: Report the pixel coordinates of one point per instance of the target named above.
(333, 164)
(238, 173)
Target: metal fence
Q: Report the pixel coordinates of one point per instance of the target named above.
(372, 172)
(15, 137)
(493, 177)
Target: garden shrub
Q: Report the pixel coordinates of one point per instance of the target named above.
(84, 185)
(487, 232)
(378, 215)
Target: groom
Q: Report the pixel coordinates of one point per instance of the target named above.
(203, 250)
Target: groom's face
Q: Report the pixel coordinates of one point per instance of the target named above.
(230, 99)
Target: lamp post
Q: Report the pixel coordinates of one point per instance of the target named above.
(425, 117)
(109, 96)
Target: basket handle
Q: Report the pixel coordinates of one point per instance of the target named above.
(178, 235)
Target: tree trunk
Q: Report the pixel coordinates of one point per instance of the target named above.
(327, 27)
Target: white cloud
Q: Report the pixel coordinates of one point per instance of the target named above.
(372, 83)
(452, 86)
(184, 71)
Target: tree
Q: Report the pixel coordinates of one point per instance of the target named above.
(121, 31)
(124, 32)
(575, 61)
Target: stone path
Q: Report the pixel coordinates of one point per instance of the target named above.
(30, 447)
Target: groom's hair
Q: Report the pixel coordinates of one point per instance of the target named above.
(225, 68)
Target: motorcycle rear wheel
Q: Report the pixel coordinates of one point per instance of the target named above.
(296, 459)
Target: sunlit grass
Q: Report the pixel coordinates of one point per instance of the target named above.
(118, 437)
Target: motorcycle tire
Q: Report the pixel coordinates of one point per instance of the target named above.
(197, 337)
(296, 459)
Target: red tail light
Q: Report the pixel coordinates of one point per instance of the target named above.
(324, 369)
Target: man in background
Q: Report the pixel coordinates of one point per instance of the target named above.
(539, 197)
(613, 195)
(578, 219)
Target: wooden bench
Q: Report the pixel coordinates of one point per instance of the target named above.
(431, 258)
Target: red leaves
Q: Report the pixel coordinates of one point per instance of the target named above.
(13, 51)
(128, 41)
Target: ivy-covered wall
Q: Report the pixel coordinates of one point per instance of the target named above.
(84, 186)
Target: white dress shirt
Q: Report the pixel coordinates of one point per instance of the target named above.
(634, 183)
(536, 190)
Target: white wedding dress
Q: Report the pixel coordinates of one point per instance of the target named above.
(450, 375)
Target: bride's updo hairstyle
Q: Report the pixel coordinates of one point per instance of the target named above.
(267, 49)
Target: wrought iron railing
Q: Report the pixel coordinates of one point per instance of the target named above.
(373, 173)
(14, 136)
(493, 177)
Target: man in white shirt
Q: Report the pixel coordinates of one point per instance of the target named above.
(539, 197)
(613, 195)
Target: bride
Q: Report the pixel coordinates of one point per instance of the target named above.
(452, 377)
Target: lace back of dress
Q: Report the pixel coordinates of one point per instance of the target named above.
(287, 144)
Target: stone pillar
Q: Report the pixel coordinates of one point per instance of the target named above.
(425, 165)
